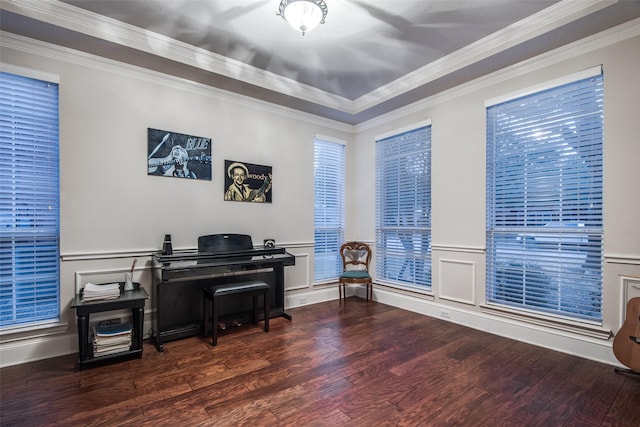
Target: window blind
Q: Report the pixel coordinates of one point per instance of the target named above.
(544, 201)
(329, 172)
(29, 201)
(403, 208)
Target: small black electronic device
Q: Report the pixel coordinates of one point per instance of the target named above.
(269, 243)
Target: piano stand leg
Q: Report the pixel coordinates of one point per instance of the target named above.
(159, 345)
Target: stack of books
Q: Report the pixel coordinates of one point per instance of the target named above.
(110, 339)
(93, 292)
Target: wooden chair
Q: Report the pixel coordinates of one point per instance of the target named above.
(355, 264)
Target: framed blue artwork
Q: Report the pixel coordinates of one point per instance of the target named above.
(178, 155)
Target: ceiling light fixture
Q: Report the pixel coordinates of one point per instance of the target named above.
(303, 15)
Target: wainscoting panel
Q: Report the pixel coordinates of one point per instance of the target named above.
(630, 289)
(297, 277)
(457, 280)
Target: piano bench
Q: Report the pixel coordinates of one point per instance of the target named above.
(213, 295)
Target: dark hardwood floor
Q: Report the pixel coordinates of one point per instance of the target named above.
(359, 364)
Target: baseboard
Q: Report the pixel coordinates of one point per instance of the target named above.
(30, 350)
(578, 345)
(45, 347)
(315, 296)
(566, 342)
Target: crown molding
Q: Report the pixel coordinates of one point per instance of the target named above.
(82, 21)
(59, 53)
(544, 21)
(597, 41)
(111, 30)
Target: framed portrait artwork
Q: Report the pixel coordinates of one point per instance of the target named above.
(178, 155)
(246, 182)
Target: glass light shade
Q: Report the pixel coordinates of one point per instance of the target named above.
(303, 15)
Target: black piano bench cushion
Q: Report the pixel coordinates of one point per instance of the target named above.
(214, 294)
(239, 288)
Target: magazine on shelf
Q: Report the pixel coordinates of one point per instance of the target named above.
(111, 339)
(111, 330)
(103, 351)
(115, 340)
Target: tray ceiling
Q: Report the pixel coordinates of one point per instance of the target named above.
(369, 57)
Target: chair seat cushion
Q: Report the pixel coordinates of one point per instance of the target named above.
(355, 274)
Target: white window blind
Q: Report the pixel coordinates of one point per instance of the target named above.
(403, 208)
(29, 201)
(544, 201)
(329, 171)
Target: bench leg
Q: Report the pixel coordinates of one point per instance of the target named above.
(266, 310)
(215, 312)
(255, 308)
(205, 316)
(214, 320)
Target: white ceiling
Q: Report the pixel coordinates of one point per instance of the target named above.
(370, 57)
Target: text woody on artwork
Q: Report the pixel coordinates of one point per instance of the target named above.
(244, 186)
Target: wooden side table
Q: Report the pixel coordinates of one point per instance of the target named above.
(134, 300)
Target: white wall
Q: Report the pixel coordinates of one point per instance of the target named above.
(458, 191)
(112, 211)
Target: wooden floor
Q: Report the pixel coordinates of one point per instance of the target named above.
(359, 364)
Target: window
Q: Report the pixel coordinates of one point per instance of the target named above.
(328, 166)
(403, 208)
(544, 200)
(29, 201)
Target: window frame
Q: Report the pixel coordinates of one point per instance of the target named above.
(403, 227)
(329, 218)
(32, 281)
(538, 250)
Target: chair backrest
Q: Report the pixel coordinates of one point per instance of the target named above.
(355, 256)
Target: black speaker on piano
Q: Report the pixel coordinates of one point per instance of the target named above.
(224, 243)
(269, 243)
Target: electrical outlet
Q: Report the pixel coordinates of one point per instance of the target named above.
(445, 314)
